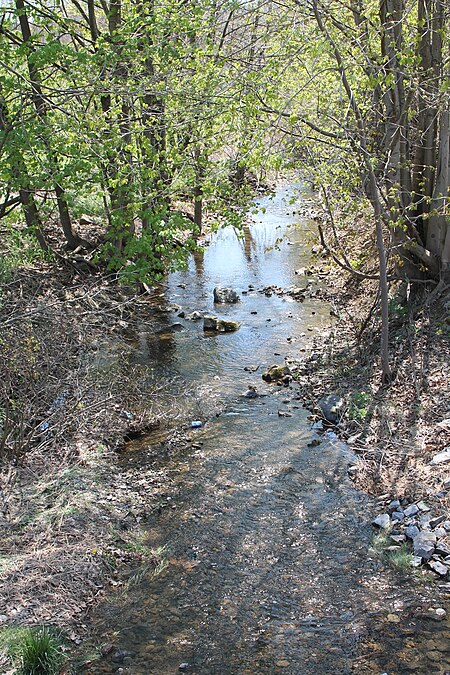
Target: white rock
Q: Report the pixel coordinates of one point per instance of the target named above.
(441, 457)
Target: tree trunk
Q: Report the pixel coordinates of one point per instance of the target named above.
(361, 143)
(26, 194)
(119, 201)
(41, 109)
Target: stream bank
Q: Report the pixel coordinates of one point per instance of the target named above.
(241, 547)
(269, 561)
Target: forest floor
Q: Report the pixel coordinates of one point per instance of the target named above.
(73, 515)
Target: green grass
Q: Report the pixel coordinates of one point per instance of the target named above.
(33, 651)
(401, 559)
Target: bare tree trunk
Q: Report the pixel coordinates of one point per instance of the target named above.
(361, 142)
(425, 156)
(438, 241)
(374, 196)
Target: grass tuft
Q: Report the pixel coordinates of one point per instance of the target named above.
(35, 651)
(401, 559)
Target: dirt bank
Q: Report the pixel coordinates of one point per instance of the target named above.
(396, 429)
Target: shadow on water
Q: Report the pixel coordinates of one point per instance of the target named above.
(269, 562)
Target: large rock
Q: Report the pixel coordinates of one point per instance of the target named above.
(383, 521)
(216, 325)
(277, 373)
(424, 544)
(412, 531)
(411, 510)
(224, 295)
(332, 407)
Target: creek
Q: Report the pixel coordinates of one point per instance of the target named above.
(269, 566)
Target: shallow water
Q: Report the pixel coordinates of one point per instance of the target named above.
(268, 546)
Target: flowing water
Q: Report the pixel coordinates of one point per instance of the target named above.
(269, 567)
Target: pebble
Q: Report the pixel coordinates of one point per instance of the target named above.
(423, 507)
(183, 666)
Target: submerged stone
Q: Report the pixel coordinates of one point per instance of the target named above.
(276, 373)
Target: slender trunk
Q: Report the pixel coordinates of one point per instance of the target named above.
(439, 224)
(26, 192)
(112, 168)
(198, 188)
(41, 109)
(154, 125)
(425, 156)
(361, 142)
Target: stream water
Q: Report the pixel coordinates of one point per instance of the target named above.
(269, 567)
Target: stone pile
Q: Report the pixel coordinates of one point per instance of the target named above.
(429, 535)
